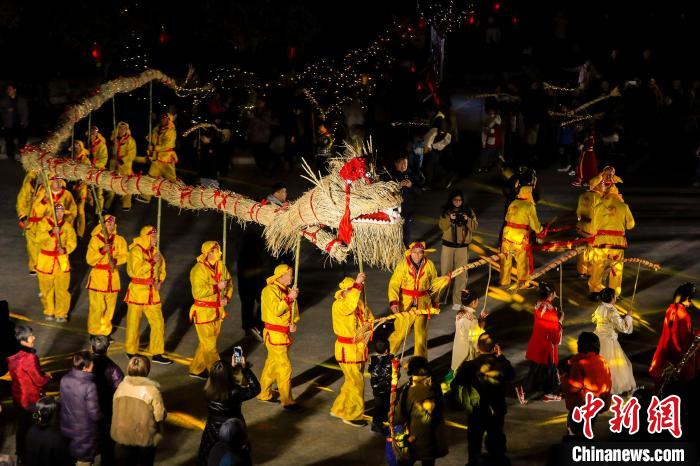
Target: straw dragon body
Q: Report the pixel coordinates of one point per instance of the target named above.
(372, 205)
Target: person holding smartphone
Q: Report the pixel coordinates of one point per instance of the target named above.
(228, 386)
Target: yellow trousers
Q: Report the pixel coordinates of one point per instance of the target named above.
(606, 263)
(206, 353)
(80, 218)
(54, 294)
(522, 264)
(583, 262)
(350, 403)
(32, 248)
(450, 259)
(164, 170)
(154, 315)
(402, 326)
(100, 312)
(277, 369)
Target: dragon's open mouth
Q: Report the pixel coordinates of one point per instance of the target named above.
(386, 216)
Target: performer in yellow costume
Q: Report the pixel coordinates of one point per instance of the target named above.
(146, 268)
(409, 290)
(212, 289)
(161, 151)
(56, 242)
(521, 219)
(611, 219)
(27, 218)
(349, 315)
(123, 155)
(280, 316)
(80, 188)
(599, 185)
(104, 255)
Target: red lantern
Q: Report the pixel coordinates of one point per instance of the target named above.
(292, 53)
(471, 20)
(163, 37)
(96, 52)
(515, 20)
(496, 7)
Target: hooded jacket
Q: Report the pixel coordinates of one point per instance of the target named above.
(203, 280)
(98, 151)
(123, 150)
(611, 218)
(28, 380)
(162, 142)
(102, 278)
(142, 268)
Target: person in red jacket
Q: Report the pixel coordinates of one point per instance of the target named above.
(28, 381)
(587, 165)
(676, 336)
(542, 350)
(588, 373)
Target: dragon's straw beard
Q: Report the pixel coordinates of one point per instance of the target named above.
(379, 245)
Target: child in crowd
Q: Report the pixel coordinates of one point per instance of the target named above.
(380, 380)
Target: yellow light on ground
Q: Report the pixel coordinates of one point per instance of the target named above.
(572, 344)
(559, 419)
(185, 421)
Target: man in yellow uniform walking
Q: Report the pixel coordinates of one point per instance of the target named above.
(146, 268)
(599, 185)
(521, 219)
(41, 209)
(27, 218)
(80, 188)
(611, 219)
(104, 255)
(161, 151)
(280, 316)
(212, 289)
(349, 315)
(56, 242)
(123, 155)
(409, 290)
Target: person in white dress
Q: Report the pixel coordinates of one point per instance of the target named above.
(468, 327)
(609, 323)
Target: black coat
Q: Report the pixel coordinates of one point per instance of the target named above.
(8, 343)
(220, 411)
(45, 446)
(108, 376)
(408, 206)
(490, 376)
(380, 373)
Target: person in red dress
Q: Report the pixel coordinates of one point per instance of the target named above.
(676, 336)
(587, 166)
(542, 350)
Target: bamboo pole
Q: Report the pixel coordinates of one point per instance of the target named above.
(223, 241)
(98, 211)
(364, 285)
(49, 194)
(297, 250)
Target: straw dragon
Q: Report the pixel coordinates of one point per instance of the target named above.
(346, 211)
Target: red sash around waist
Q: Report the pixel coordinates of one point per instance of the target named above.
(519, 226)
(414, 293)
(345, 340)
(611, 232)
(212, 304)
(277, 328)
(50, 253)
(143, 281)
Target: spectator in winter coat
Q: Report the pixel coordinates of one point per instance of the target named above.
(14, 119)
(28, 382)
(138, 413)
(380, 380)
(588, 372)
(45, 446)
(226, 389)
(400, 173)
(232, 449)
(80, 409)
(108, 376)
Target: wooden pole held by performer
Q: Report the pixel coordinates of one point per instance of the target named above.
(49, 194)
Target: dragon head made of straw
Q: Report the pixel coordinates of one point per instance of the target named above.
(361, 213)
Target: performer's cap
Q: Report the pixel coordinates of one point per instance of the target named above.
(279, 271)
(418, 245)
(346, 283)
(110, 219)
(58, 206)
(148, 230)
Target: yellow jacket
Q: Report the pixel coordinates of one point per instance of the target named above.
(206, 294)
(124, 152)
(162, 144)
(23, 205)
(42, 207)
(141, 268)
(98, 150)
(49, 260)
(584, 212)
(611, 218)
(102, 278)
(410, 288)
(521, 218)
(276, 310)
(83, 155)
(349, 314)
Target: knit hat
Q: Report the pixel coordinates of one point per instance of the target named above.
(344, 285)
